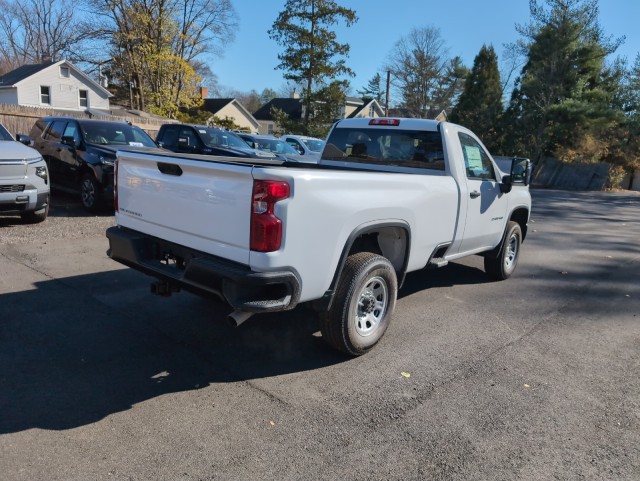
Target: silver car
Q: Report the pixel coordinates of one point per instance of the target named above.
(24, 180)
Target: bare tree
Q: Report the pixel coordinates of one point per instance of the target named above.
(36, 31)
(422, 73)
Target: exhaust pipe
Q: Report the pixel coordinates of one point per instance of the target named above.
(237, 317)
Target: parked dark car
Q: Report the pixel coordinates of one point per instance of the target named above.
(201, 139)
(80, 154)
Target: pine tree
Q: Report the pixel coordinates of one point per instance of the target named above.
(479, 107)
(562, 98)
(374, 89)
(312, 55)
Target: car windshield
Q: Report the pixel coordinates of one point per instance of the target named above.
(404, 148)
(4, 133)
(314, 145)
(276, 146)
(115, 133)
(217, 137)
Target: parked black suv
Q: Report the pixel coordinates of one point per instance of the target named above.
(80, 154)
(200, 139)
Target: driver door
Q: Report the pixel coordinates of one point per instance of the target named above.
(486, 205)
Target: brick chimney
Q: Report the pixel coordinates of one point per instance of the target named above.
(204, 92)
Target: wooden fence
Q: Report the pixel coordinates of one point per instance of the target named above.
(19, 120)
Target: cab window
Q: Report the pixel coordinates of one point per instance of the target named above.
(477, 162)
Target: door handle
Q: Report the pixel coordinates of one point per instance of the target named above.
(474, 194)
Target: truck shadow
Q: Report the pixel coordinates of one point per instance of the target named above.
(81, 348)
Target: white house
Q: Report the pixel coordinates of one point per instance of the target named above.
(59, 85)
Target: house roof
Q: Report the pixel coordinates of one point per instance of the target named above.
(291, 107)
(13, 78)
(216, 105)
(365, 106)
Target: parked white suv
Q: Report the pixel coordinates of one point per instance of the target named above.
(308, 146)
(24, 180)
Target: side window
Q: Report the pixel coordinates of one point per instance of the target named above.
(188, 136)
(72, 131)
(476, 160)
(45, 95)
(170, 136)
(56, 130)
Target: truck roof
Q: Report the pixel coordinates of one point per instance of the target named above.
(390, 122)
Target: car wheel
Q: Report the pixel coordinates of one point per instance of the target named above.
(90, 193)
(35, 217)
(363, 304)
(499, 267)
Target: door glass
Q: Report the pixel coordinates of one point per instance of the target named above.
(477, 162)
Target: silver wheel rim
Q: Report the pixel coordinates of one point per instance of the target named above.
(511, 253)
(372, 306)
(88, 193)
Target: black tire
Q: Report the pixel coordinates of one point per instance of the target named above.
(363, 304)
(500, 266)
(34, 217)
(90, 193)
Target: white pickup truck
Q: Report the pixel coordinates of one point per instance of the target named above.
(388, 196)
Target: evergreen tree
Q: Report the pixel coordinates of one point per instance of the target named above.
(374, 89)
(312, 55)
(562, 98)
(479, 107)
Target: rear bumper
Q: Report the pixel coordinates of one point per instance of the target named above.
(203, 273)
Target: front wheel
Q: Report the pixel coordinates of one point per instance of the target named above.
(90, 193)
(363, 304)
(499, 267)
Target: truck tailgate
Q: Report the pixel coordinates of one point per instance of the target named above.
(198, 203)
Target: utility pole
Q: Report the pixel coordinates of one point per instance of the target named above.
(386, 102)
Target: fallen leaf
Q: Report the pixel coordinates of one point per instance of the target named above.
(405, 374)
(526, 385)
(272, 423)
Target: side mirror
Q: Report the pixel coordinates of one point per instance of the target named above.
(505, 185)
(69, 140)
(520, 170)
(24, 139)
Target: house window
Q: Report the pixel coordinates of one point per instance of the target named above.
(64, 71)
(84, 96)
(372, 111)
(45, 98)
(270, 129)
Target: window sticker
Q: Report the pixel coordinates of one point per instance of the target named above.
(136, 144)
(474, 159)
(202, 131)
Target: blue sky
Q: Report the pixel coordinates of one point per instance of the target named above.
(249, 61)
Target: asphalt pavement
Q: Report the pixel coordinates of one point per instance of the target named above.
(533, 378)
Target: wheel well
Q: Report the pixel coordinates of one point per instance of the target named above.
(521, 216)
(390, 241)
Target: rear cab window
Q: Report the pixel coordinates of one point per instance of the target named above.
(388, 149)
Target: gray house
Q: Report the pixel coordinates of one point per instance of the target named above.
(59, 85)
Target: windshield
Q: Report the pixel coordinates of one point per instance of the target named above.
(4, 133)
(314, 145)
(403, 148)
(217, 137)
(276, 146)
(115, 133)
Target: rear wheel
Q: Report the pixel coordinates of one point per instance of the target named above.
(499, 267)
(363, 304)
(90, 193)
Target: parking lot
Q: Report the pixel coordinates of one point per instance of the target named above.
(533, 378)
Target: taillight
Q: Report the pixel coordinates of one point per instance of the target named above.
(115, 186)
(393, 122)
(266, 228)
